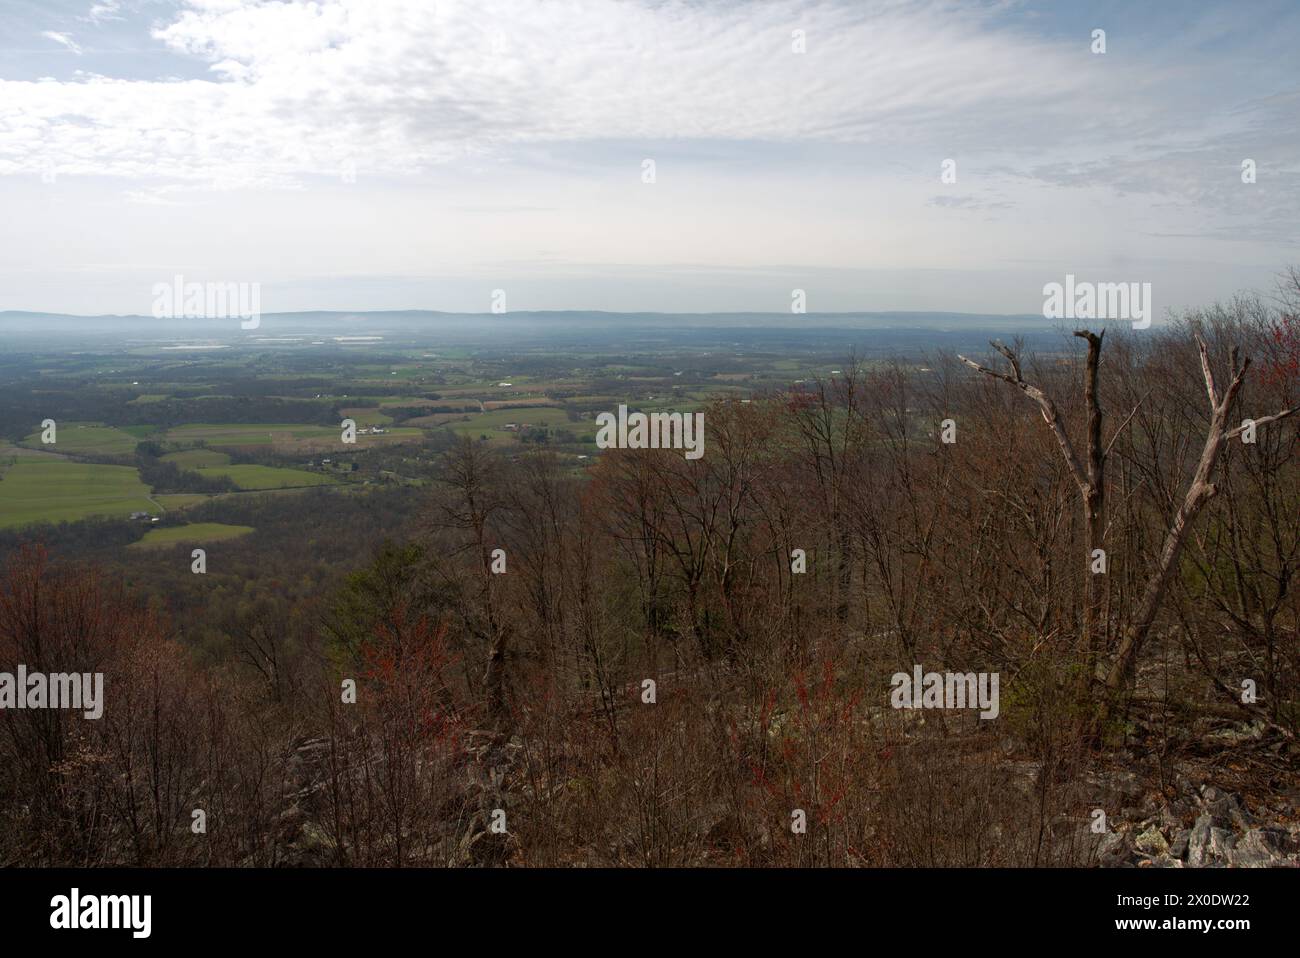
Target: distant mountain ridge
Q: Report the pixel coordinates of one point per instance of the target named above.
(377, 321)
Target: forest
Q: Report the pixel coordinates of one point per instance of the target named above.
(667, 661)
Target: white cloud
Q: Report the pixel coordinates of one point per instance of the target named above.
(399, 86)
(498, 143)
(63, 39)
(105, 10)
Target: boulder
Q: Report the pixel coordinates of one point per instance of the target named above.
(1112, 851)
(1261, 848)
(1178, 847)
(1152, 842)
(1209, 845)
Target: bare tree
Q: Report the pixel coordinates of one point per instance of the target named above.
(1200, 492)
(1091, 482)
(1089, 476)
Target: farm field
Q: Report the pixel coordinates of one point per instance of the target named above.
(56, 490)
(249, 434)
(288, 436)
(412, 402)
(434, 420)
(86, 438)
(197, 458)
(179, 501)
(253, 477)
(198, 532)
(493, 424)
(247, 393)
(366, 416)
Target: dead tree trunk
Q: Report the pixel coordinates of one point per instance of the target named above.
(1094, 511)
(1092, 489)
(1201, 491)
(1091, 480)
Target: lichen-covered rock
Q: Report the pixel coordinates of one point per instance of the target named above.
(1152, 842)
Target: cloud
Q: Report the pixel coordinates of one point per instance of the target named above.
(64, 39)
(1205, 176)
(387, 137)
(105, 10)
(399, 86)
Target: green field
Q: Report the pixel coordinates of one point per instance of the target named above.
(493, 424)
(86, 438)
(367, 416)
(290, 435)
(197, 458)
(53, 490)
(199, 532)
(407, 401)
(249, 434)
(265, 477)
(179, 500)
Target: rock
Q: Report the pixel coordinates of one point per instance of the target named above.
(1178, 847)
(1227, 811)
(1267, 847)
(480, 848)
(1163, 861)
(1286, 841)
(1254, 850)
(1220, 846)
(1235, 734)
(312, 848)
(1128, 785)
(1152, 842)
(1111, 850)
(1198, 841)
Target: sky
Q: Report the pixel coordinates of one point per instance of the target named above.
(644, 155)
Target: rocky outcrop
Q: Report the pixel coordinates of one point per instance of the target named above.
(1222, 833)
